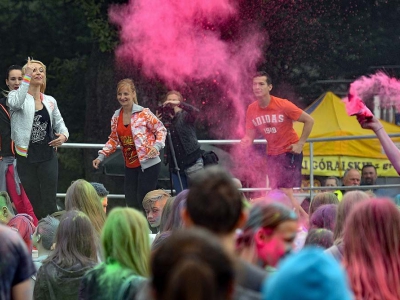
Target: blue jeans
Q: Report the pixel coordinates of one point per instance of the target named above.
(185, 178)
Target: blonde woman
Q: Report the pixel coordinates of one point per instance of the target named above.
(126, 249)
(141, 137)
(37, 128)
(82, 196)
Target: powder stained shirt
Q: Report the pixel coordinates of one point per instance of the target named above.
(127, 143)
(275, 122)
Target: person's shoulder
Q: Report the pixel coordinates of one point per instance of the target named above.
(249, 276)
(8, 234)
(12, 241)
(3, 101)
(49, 98)
(280, 101)
(253, 106)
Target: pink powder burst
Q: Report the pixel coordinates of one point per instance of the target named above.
(363, 90)
(179, 41)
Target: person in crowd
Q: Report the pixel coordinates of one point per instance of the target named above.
(322, 199)
(159, 240)
(16, 266)
(153, 204)
(179, 118)
(9, 180)
(22, 223)
(308, 275)
(43, 239)
(174, 220)
(351, 177)
(82, 196)
(74, 254)
(368, 175)
(324, 217)
(388, 146)
(192, 265)
(126, 250)
(344, 209)
(305, 204)
(268, 235)
(214, 203)
(166, 213)
(37, 128)
(102, 193)
(273, 117)
(141, 136)
(319, 237)
(372, 250)
(332, 181)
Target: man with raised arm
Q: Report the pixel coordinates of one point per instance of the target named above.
(274, 117)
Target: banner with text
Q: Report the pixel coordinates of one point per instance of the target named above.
(336, 165)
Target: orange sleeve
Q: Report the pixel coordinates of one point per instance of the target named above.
(291, 110)
(249, 117)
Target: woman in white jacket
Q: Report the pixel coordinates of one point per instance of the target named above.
(37, 128)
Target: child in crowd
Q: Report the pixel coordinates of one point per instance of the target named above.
(308, 275)
(102, 193)
(126, 250)
(81, 195)
(324, 217)
(22, 223)
(372, 250)
(153, 205)
(43, 239)
(319, 237)
(75, 253)
(268, 235)
(192, 265)
(350, 199)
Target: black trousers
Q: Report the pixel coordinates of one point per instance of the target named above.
(138, 183)
(40, 183)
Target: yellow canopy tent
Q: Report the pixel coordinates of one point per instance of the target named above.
(333, 158)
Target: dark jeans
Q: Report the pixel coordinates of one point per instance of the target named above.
(284, 170)
(138, 183)
(40, 183)
(176, 184)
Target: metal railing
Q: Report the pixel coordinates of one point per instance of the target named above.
(311, 141)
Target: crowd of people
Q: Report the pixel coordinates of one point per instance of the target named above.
(208, 241)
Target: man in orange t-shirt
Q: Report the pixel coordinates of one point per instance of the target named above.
(274, 117)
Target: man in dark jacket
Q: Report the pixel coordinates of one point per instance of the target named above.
(179, 118)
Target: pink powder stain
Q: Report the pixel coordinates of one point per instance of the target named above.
(363, 90)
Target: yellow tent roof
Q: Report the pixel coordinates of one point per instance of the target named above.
(331, 120)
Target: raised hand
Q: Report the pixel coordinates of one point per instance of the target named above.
(29, 67)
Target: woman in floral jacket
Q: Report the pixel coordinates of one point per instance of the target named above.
(141, 137)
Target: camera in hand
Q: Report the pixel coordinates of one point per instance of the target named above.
(167, 113)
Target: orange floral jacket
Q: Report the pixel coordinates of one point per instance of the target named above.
(147, 131)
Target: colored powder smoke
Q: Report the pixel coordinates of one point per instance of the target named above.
(182, 42)
(362, 92)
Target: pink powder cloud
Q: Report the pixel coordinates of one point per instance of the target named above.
(180, 42)
(363, 90)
